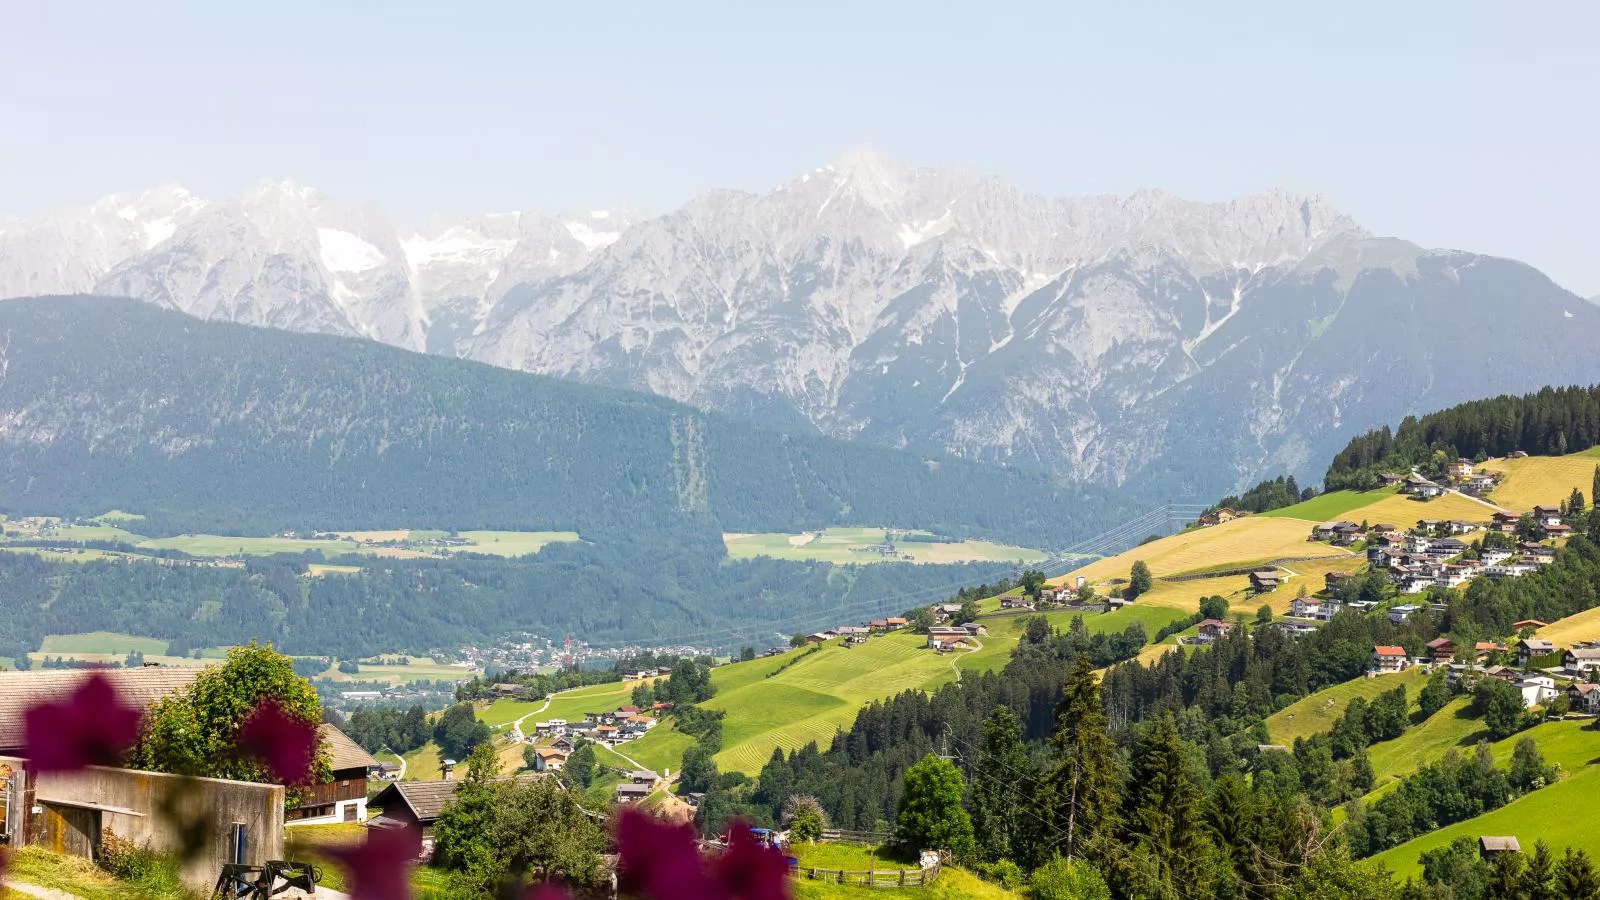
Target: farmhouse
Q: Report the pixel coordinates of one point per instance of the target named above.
(1296, 629)
(1399, 614)
(344, 799)
(1584, 697)
(549, 759)
(1015, 601)
(1546, 516)
(1527, 623)
(140, 688)
(896, 621)
(1490, 847)
(1505, 522)
(1212, 630)
(1441, 650)
(1460, 470)
(1217, 517)
(1530, 648)
(1580, 660)
(1301, 608)
(406, 804)
(947, 637)
(632, 793)
(1387, 659)
(1264, 581)
(1536, 689)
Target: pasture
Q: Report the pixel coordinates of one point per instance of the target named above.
(1552, 814)
(849, 545)
(1328, 507)
(1543, 480)
(317, 570)
(1315, 714)
(1454, 726)
(1403, 512)
(1239, 543)
(1584, 626)
(100, 642)
(512, 543)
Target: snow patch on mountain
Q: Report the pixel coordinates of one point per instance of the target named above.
(590, 238)
(342, 251)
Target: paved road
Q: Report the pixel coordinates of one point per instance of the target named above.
(516, 725)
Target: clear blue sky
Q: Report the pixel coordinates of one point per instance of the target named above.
(1458, 124)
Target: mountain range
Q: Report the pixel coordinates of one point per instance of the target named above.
(1174, 348)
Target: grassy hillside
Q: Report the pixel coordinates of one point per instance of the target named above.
(1554, 813)
(1237, 543)
(1543, 480)
(1584, 626)
(1316, 713)
(1454, 726)
(819, 693)
(1328, 507)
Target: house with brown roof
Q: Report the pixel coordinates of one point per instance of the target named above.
(419, 803)
(1442, 650)
(549, 759)
(1264, 581)
(1529, 649)
(139, 688)
(1217, 517)
(1584, 697)
(344, 798)
(1212, 630)
(1490, 847)
(1460, 470)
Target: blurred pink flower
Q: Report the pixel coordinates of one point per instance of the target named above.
(660, 861)
(379, 868)
(287, 746)
(547, 890)
(91, 727)
(663, 862)
(750, 871)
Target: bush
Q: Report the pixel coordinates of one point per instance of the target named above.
(1067, 879)
(127, 861)
(1003, 872)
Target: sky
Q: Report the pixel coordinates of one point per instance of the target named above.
(1468, 125)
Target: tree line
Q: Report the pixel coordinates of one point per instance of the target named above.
(1553, 421)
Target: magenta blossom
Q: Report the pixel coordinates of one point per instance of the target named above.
(660, 861)
(91, 727)
(750, 871)
(663, 862)
(287, 746)
(379, 868)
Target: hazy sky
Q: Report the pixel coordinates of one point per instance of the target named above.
(1454, 124)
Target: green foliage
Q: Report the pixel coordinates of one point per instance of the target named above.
(1264, 614)
(1528, 769)
(458, 731)
(1335, 876)
(1003, 872)
(1085, 777)
(498, 833)
(1002, 778)
(698, 771)
(1456, 787)
(1500, 705)
(1214, 608)
(1139, 580)
(1551, 421)
(1274, 493)
(1434, 695)
(194, 732)
(1576, 878)
(399, 730)
(805, 817)
(580, 766)
(1033, 579)
(1067, 879)
(930, 815)
(1165, 811)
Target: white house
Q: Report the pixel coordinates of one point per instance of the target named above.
(1399, 614)
(1387, 660)
(1536, 689)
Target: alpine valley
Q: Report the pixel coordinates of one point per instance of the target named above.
(1173, 348)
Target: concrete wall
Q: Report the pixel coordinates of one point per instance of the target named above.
(155, 811)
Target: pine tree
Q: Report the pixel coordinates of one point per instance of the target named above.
(1576, 878)
(1002, 784)
(1166, 818)
(1086, 778)
(1538, 880)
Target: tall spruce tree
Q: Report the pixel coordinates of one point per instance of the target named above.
(1003, 782)
(1576, 878)
(1086, 780)
(1166, 819)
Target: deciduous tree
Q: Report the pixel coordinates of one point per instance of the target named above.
(930, 815)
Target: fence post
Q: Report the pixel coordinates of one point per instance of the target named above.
(902, 877)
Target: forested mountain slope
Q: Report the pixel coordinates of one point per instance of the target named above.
(108, 403)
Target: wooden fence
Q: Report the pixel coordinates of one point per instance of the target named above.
(885, 878)
(846, 836)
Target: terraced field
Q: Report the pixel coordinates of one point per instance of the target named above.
(1545, 480)
(818, 695)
